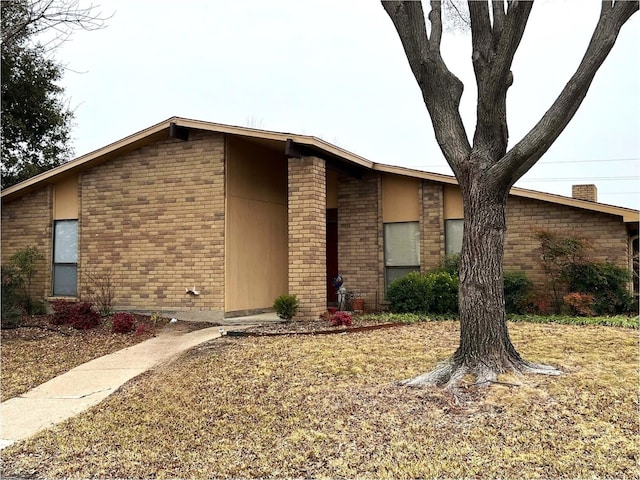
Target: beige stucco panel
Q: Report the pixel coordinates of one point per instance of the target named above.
(400, 199)
(256, 254)
(65, 199)
(256, 228)
(452, 202)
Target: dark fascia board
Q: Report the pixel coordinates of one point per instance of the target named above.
(294, 149)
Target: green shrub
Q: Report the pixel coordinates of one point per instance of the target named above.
(434, 292)
(450, 264)
(25, 263)
(409, 294)
(607, 282)
(12, 297)
(444, 292)
(11, 316)
(517, 291)
(38, 307)
(286, 306)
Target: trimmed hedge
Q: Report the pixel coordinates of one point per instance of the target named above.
(435, 292)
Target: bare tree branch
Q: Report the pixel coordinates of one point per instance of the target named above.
(493, 50)
(435, 17)
(497, 7)
(441, 89)
(540, 138)
(63, 17)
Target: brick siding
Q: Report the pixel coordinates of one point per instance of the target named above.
(606, 235)
(307, 235)
(27, 221)
(155, 216)
(585, 192)
(360, 236)
(431, 225)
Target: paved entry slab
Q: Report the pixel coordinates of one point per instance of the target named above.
(88, 384)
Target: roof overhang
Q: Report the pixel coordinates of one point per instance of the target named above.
(292, 145)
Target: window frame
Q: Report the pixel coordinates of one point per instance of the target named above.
(447, 222)
(65, 262)
(396, 267)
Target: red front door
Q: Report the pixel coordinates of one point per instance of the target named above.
(332, 253)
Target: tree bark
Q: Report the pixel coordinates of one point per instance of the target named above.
(485, 349)
(485, 170)
(484, 339)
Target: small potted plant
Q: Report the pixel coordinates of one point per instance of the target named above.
(357, 302)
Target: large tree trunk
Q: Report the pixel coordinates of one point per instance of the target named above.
(485, 349)
(485, 170)
(484, 339)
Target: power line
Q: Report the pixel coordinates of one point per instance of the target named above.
(591, 161)
(565, 162)
(619, 193)
(581, 179)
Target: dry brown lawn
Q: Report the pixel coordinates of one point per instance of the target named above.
(328, 406)
(33, 355)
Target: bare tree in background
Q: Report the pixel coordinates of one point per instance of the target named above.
(26, 19)
(485, 170)
(36, 119)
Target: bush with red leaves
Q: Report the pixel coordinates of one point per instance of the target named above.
(80, 315)
(123, 323)
(61, 312)
(142, 329)
(342, 318)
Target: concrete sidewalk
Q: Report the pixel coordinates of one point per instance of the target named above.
(90, 383)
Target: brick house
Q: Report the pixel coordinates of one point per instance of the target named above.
(244, 215)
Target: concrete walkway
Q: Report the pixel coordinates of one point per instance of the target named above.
(88, 384)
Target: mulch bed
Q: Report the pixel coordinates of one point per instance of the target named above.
(310, 327)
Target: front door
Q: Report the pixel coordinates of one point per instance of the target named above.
(332, 253)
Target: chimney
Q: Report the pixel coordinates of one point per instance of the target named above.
(585, 192)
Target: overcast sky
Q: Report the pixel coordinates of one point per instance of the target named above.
(336, 70)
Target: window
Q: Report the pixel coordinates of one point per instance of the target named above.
(453, 236)
(65, 258)
(401, 249)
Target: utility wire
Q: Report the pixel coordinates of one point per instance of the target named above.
(580, 179)
(554, 162)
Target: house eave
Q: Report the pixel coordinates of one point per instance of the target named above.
(337, 158)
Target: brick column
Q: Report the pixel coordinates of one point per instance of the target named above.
(307, 235)
(360, 236)
(431, 225)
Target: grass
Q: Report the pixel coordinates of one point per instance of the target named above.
(609, 321)
(32, 356)
(329, 406)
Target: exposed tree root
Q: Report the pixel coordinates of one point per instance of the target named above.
(450, 374)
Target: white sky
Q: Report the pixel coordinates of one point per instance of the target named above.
(335, 69)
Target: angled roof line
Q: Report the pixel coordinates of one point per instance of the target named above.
(138, 138)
